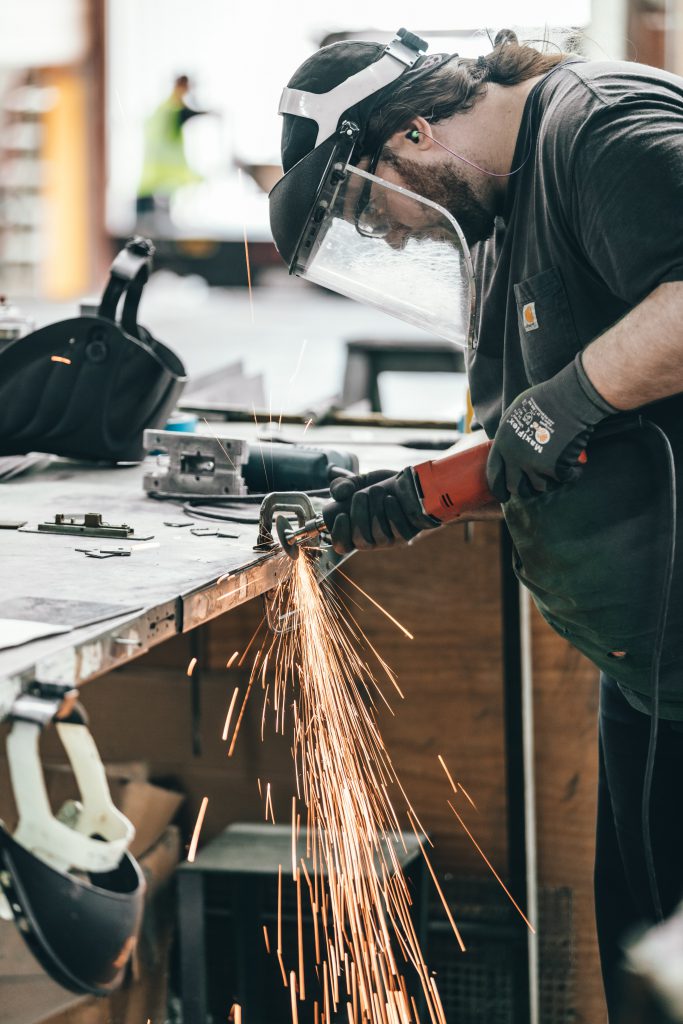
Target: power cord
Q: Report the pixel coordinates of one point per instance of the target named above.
(654, 673)
(228, 509)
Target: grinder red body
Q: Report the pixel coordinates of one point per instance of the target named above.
(455, 486)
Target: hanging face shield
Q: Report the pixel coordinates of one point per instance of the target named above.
(343, 227)
(67, 880)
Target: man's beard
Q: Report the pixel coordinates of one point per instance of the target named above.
(443, 185)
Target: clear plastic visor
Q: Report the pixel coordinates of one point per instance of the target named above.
(387, 247)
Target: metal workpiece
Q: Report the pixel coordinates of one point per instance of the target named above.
(88, 524)
(105, 552)
(182, 465)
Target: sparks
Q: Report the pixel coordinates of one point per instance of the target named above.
(291, 381)
(307, 426)
(359, 899)
(377, 605)
(279, 925)
(192, 852)
(246, 252)
(60, 359)
(232, 659)
(467, 796)
(449, 915)
(300, 934)
(226, 727)
(493, 871)
(269, 805)
(223, 449)
(448, 774)
(294, 868)
(265, 471)
(191, 667)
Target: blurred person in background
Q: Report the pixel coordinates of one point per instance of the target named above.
(165, 167)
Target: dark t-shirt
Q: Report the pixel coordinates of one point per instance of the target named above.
(593, 223)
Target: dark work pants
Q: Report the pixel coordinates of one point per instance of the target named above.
(622, 895)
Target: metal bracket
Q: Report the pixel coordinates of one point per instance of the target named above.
(193, 465)
(89, 524)
(41, 702)
(105, 552)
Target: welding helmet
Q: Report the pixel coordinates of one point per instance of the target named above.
(87, 387)
(344, 228)
(68, 881)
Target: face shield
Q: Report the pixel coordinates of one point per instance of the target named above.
(375, 242)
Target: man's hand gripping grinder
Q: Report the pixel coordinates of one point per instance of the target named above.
(448, 489)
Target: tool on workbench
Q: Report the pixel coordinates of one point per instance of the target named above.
(183, 465)
(203, 465)
(73, 866)
(88, 524)
(279, 509)
(277, 465)
(87, 387)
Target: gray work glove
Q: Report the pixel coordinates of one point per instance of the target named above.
(373, 510)
(543, 434)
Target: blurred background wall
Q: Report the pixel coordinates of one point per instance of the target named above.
(80, 81)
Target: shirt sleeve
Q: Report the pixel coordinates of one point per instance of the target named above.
(627, 193)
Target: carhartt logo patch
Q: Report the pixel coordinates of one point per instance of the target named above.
(529, 316)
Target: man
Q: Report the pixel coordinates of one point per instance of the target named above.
(566, 177)
(165, 168)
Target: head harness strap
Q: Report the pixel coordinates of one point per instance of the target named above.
(326, 108)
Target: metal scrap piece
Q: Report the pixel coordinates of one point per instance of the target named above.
(105, 552)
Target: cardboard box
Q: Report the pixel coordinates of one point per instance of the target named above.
(151, 809)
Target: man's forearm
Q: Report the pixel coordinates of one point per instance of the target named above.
(640, 358)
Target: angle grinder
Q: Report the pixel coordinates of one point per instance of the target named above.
(450, 488)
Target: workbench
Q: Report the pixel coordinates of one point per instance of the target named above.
(445, 588)
(177, 578)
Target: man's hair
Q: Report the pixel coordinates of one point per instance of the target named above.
(455, 86)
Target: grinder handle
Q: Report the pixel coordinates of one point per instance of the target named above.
(456, 485)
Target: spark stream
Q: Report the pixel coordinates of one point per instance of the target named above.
(360, 902)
